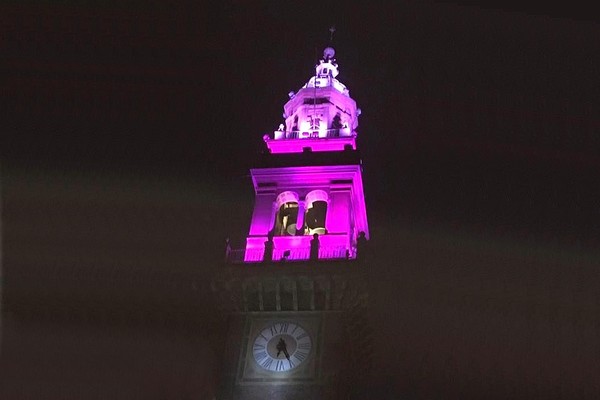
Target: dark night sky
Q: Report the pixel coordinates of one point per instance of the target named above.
(464, 117)
(130, 129)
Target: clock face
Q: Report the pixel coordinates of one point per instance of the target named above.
(281, 346)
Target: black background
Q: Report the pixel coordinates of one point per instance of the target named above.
(466, 109)
(129, 131)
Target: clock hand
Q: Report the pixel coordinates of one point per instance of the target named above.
(281, 347)
(284, 348)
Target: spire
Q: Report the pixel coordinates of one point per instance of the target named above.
(329, 51)
(321, 109)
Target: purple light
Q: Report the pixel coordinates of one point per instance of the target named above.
(321, 115)
(346, 210)
(332, 246)
(293, 203)
(298, 145)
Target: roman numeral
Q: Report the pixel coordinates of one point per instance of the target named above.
(273, 330)
(304, 346)
(279, 366)
(295, 327)
(291, 363)
(267, 363)
(300, 355)
(258, 346)
(283, 328)
(264, 337)
(302, 336)
(260, 356)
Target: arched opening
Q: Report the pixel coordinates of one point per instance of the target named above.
(316, 212)
(287, 214)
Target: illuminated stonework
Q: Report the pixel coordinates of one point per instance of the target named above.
(313, 208)
(300, 293)
(321, 116)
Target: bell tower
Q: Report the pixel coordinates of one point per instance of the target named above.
(311, 182)
(295, 294)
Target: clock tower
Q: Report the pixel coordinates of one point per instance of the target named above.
(295, 295)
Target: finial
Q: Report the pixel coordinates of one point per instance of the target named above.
(329, 51)
(331, 32)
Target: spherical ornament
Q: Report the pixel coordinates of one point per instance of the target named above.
(328, 53)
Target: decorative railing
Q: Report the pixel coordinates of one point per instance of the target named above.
(299, 253)
(235, 256)
(314, 134)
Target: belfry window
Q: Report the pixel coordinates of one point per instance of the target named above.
(316, 212)
(287, 214)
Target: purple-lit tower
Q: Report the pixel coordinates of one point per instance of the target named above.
(296, 293)
(311, 182)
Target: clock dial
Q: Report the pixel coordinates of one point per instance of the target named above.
(281, 346)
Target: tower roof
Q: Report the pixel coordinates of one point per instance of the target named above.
(326, 72)
(321, 116)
